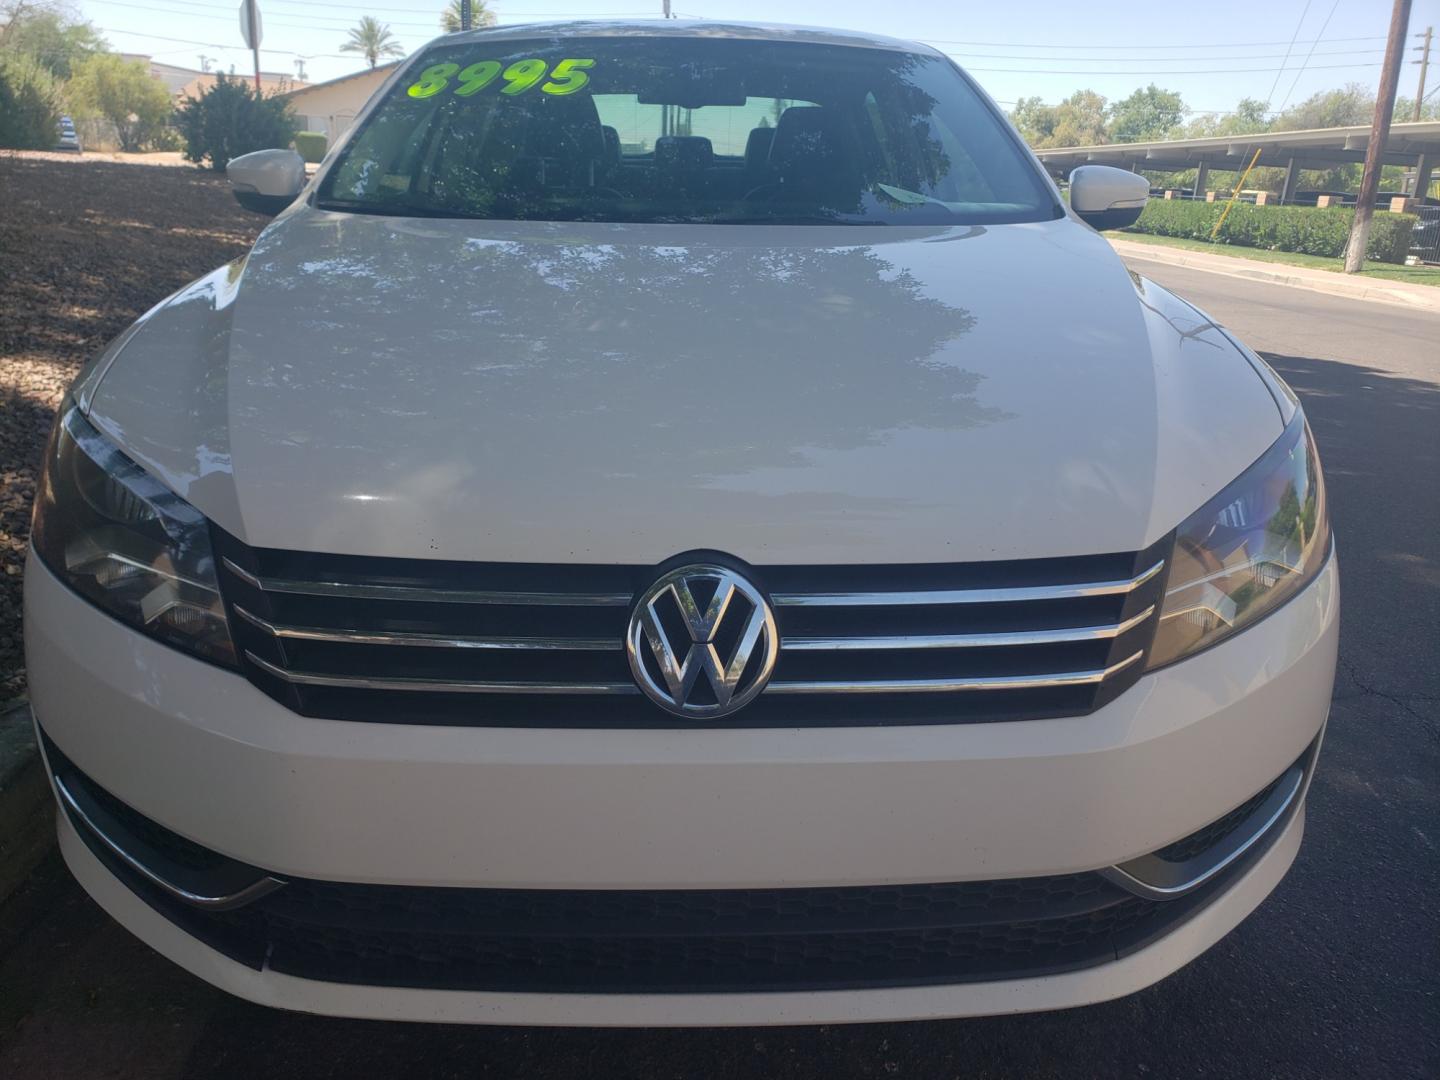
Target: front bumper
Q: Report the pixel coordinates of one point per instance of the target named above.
(204, 754)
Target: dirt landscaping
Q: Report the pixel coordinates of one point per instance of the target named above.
(86, 245)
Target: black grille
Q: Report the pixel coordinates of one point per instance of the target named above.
(1201, 841)
(640, 941)
(422, 641)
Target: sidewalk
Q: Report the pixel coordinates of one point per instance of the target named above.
(1415, 297)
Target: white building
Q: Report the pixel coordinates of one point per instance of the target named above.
(330, 107)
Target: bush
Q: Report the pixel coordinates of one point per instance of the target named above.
(311, 145)
(29, 103)
(1304, 229)
(166, 138)
(230, 119)
(1390, 237)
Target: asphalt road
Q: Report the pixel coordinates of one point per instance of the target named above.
(1335, 976)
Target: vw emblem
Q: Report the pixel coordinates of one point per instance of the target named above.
(702, 621)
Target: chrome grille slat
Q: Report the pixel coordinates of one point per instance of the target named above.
(954, 686)
(367, 591)
(857, 686)
(1011, 594)
(994, 639)
(427, 640)
(436, 686)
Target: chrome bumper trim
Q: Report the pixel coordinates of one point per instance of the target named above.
(1155, 879)
(79, 817)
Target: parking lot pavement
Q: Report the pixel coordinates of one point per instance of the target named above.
(1335, 975)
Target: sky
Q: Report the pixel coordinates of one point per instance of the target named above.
(1214, 53)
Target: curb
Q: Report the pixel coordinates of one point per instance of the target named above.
(1414, 297)
(27, 819)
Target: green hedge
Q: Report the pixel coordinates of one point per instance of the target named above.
(311, 146)
(1305, 229)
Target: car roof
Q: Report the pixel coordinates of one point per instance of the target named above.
(687, 28)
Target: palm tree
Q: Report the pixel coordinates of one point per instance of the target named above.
(480, 15)
(373, 38)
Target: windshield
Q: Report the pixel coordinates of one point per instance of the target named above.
(680, 129)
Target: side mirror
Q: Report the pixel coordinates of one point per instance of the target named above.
(1107, 198)
(266, 181)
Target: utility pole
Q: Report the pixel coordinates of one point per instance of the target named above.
(1379, 132)
(666, 7)
(1424, 63)
(465, 15)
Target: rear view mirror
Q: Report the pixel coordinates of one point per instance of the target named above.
(266, 181)
(1108, 198)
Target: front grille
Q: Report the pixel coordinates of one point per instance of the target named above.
(700, 952)
(643, 941)
(509, 644)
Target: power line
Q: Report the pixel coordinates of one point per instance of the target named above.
(1212, 45)
(332, 22)
(1271, 95)
(1204, 71)
(231, 19)
(1158, 59)
(217, 45)
(384, 11)
(990, 70)
(1294, 82)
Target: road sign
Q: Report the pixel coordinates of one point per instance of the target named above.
(250, 23)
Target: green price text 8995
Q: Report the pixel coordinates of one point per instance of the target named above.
(566, 77)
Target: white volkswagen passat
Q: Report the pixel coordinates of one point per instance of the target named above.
(680, 525)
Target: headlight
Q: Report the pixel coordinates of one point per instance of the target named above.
(126, 542)
(1248, 550)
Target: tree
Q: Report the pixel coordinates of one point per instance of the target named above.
(1350, 106)
(47, 33)
(123, 92)
(1249, 116)
(1405, 109)
(1146, 115)
(373, 39)
(1079, 120)
(480, 15)
(1034, 120)
(230, 119)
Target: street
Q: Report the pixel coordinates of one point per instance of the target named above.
(1334, 976)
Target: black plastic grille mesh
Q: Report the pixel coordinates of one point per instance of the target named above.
(1202, 840)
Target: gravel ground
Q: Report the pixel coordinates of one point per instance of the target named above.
(86, 245)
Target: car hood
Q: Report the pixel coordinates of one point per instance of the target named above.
(553, 392)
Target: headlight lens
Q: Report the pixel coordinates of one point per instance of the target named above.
(126, 542)
(1248, 550)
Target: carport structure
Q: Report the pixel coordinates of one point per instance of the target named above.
(1414, 146)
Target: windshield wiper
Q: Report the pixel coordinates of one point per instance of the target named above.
(394, 210)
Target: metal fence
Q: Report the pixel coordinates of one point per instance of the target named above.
(1425, 244)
